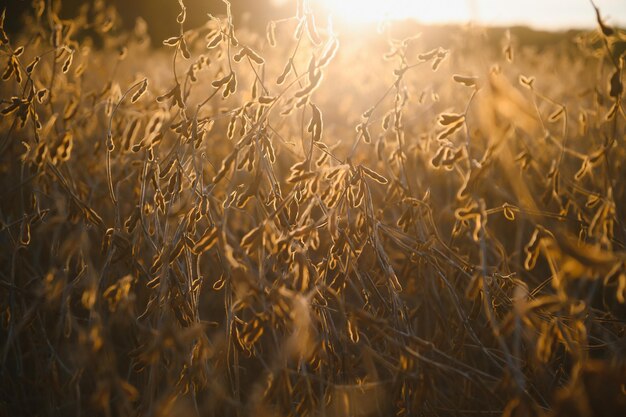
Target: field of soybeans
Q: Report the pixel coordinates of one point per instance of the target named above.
(399, 220)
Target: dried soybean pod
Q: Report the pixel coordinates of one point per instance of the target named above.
(374, 175)
(465, 80)
(312, 29)
(68, 63)
(281, 78)
(206, 242)
(141, 91)
(254, 56)
(270, 32)
(32, 65)
(215, 40)
(446, 119)
(329, 53)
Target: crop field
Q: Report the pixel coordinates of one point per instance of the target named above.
(395, 220)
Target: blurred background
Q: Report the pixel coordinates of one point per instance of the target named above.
(539, 14)
(161, 14)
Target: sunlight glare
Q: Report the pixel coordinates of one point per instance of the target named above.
(554, 14)
(367, 11)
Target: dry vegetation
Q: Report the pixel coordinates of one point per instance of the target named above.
(233, 224)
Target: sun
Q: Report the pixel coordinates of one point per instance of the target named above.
(362, 11)
(368, 11)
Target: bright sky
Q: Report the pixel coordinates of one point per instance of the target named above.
(546, 14)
